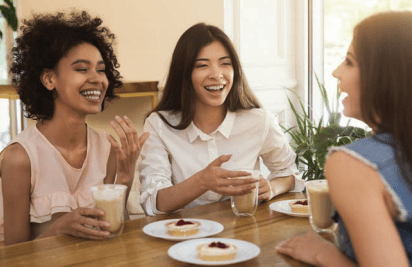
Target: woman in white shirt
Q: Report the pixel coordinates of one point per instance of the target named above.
(207, 122)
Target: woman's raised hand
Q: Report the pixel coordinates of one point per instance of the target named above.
(217, 179)
(82, 222)
(129, 148)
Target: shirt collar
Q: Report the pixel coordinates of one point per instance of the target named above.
(225, 128)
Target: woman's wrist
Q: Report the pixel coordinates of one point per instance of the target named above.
(200, 181)
(124, 179)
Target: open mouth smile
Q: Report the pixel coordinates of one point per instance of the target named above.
(214, 88)
(92, 94)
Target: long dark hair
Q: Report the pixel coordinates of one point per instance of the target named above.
(383, 48)
(179, 94)
(45, 39)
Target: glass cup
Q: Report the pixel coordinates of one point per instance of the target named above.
(246, 205)
(321, 209)
(111, 199)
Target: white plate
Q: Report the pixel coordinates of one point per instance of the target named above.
(158, 229)
(186, 251)
(283, 207)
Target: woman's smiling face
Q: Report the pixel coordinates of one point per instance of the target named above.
(80, 80)
(348, 74)
(212, 75)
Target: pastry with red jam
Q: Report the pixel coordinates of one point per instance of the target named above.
(182, 228)
(299, 206)
(216, 251)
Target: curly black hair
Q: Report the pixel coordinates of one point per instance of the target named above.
(44, 40)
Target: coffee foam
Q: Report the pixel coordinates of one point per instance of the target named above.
(319, 187)
(108, 193)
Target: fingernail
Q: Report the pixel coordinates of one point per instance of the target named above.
(126, 117)
(107, 224)
(112, 123)
(117, 117)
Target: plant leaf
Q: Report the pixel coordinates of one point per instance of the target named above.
(9, 13)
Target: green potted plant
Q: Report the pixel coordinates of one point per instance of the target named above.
(8, 11)
(311, 139)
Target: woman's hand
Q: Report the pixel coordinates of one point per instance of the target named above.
(128, 150)
(265, 190)
(309, 248)
(81, 222)
(217, 179)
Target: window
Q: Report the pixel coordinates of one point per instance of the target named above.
(10, 111)
(272, 39)
(4, 103)
(265, 35)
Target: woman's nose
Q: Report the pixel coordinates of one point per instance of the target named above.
(336, 72)
(95, 76)
(216, 73)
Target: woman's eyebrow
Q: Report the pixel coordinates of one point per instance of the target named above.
(87, 62)
(206, 59)
(225, 57)
(202, 59)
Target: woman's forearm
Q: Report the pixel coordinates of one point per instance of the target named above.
(176, 197)
(282, 185)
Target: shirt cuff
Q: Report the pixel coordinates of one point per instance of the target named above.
(299, 183)
(148, 199)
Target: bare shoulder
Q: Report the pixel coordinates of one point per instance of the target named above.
(16, 155)
(352, 180)
(358, 194)
(15, 159)
(343, 168)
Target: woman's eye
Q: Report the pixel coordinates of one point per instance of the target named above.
(81, 69)
(102, 70)
(228, 63)
(348, 62)
(201, 66)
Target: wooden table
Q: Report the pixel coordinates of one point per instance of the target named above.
(134, 248)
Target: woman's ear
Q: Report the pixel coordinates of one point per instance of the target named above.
(47, 78)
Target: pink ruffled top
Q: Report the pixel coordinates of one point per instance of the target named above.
(55, 185)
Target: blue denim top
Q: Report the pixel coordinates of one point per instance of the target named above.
(378, 153)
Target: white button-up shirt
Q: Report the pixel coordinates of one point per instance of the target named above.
(170, 156)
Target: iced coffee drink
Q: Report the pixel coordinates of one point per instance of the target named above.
(246, 205)
(111, 199)
(320, 205)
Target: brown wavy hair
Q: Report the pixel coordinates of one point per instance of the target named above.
(44, 40)
(179, 93)
(383, 49)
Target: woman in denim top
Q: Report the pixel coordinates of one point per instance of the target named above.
(370, 180)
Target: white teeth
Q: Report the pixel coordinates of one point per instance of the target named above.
(93, 97)
(92, 94)
(215, 87)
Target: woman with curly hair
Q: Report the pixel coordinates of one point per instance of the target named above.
(64, 69)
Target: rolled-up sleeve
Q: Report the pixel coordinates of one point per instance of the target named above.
(277, 155)
(154, 168)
